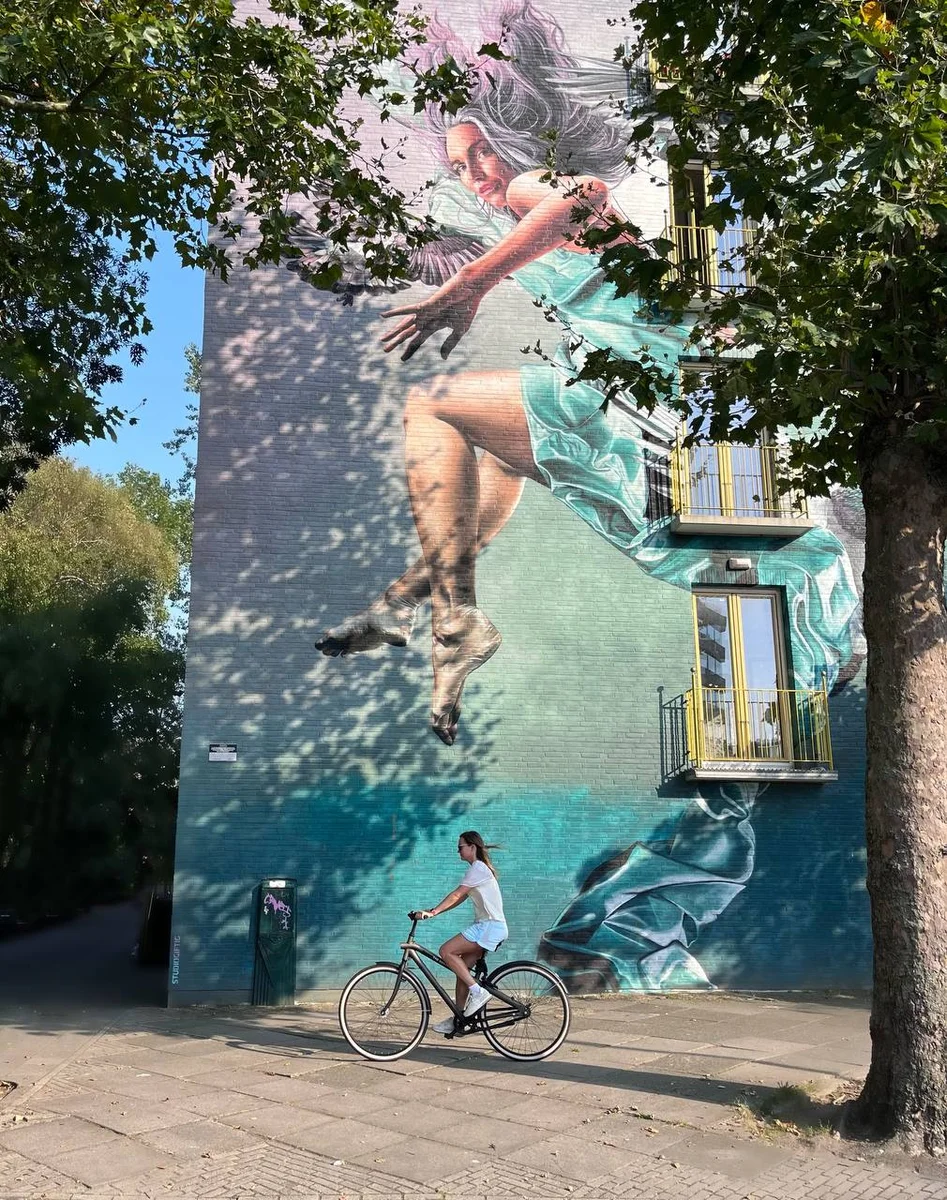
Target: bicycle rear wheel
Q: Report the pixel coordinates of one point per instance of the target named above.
(376, 1026)
(543, 1028)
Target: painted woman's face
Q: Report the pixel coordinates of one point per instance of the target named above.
(477, 165)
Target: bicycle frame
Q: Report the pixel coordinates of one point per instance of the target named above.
(414, 952)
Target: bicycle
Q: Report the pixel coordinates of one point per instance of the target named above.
(384, 1009)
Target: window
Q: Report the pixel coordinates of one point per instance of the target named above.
(715, 258)
(742, 708)
(716, 483)
(742, 672)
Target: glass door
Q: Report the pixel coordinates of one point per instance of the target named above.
(720, 479)
(742, 700)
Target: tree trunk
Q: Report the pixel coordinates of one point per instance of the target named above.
(905, 1094)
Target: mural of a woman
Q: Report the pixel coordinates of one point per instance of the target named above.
(474, 438)
(527, 424)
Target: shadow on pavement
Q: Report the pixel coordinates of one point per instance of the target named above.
(64, 984)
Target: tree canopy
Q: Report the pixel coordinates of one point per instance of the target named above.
(89, 688)
(824, 124)
(71, 535)
(121, 119)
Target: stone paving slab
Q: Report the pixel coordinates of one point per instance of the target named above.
(117, 1159)
(128, 1115)
(401, 1087)
(574, 1157)
(641, 1102)
(22, 1176)
(420, 1160)
(149, 1085)
(726, 1155)
(414, 1117)
(622, 1131)
(272, 1120)
(338, 1104)
(46, 1139)
(220, 1103)
(489, 1135)
(342, 1138)
(198, 1139)
(546, 1112)
(470, 1098)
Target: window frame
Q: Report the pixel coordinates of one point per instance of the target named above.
(695, 241)
(770, 498)
(782, 654)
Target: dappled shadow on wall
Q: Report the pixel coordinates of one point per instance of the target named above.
(303, 518)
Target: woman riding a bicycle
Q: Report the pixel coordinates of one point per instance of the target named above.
(462, 952)
(520, 1007)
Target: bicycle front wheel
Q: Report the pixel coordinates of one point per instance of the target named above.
(536, 1032)
(375, 1022)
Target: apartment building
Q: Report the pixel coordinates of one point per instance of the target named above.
(664, 729)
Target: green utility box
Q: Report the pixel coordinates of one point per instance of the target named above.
(274, 965)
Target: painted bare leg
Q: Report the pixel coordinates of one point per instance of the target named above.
(390, 619)
(464, 639)
(500, 490)
(443, 425)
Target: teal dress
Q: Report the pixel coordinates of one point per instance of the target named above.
(634, 927)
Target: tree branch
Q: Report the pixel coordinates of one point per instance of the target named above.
(19, 104)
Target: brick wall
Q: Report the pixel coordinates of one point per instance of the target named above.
(302, 517)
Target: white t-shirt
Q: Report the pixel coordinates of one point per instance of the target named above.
(484, 892)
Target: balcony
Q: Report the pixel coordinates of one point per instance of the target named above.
(713, 260)
(663, 76)
(725, 489)
(750, 734)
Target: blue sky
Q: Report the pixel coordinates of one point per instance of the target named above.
(154, 392)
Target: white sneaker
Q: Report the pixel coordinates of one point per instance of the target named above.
(445, 1026)
(476, 1000)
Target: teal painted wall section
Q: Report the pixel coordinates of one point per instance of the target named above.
(560, 762)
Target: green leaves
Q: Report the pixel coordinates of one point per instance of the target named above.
(89, 688)
(123, 118)
(837, 147)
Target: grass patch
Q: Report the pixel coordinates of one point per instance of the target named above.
(793, 1110)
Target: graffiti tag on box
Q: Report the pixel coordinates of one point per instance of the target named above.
(279, 908)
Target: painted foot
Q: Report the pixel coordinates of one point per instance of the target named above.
(463, 641)
(384, 623)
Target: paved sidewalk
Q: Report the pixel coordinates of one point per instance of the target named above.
(642, 1101)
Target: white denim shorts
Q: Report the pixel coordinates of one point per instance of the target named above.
(488, 934)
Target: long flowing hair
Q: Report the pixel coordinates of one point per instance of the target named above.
(472, 838)
(519, 104)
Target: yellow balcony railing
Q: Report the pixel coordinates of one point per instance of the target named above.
(723, 480)
(780, 726)
(664, 75)
(711, 259)
(660, 73)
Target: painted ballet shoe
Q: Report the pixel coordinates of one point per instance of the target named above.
(386, 622)
(464, 641)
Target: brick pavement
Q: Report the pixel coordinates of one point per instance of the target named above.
(642, 1101)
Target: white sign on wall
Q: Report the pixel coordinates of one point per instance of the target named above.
(222, 752)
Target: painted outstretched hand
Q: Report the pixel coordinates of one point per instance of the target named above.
(453, 306)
